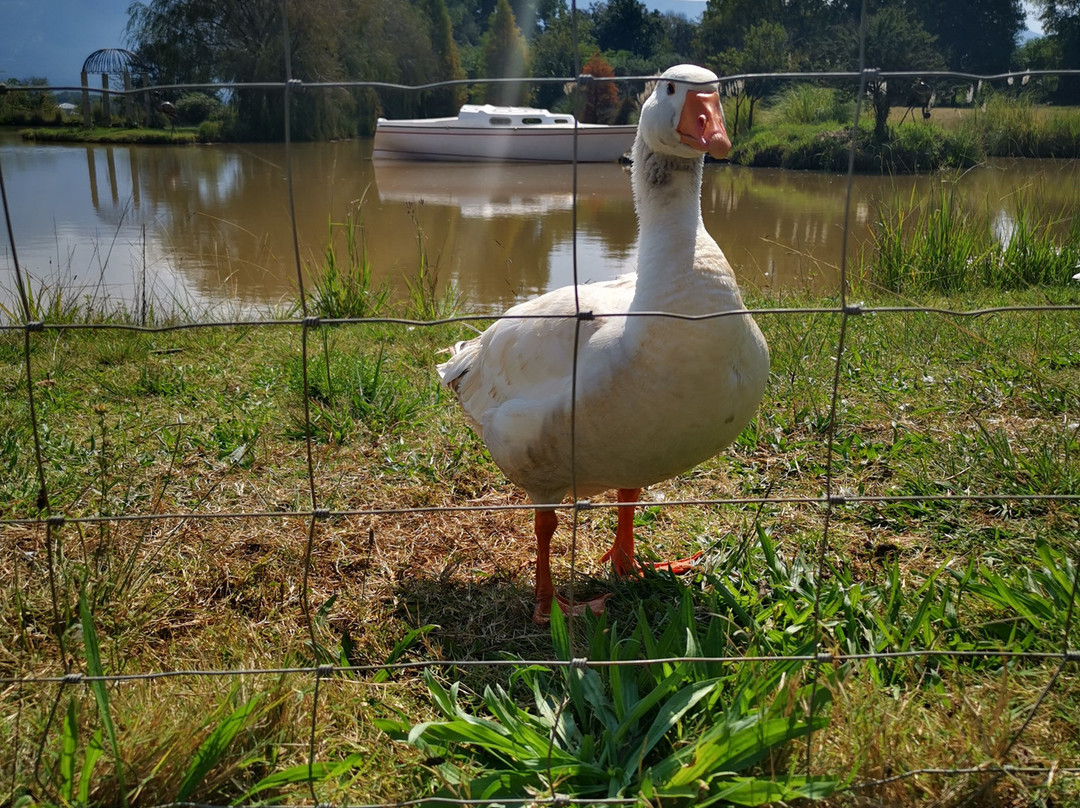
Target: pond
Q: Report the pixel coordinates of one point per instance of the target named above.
(208, 227)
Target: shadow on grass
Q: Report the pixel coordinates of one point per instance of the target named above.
(491, 617)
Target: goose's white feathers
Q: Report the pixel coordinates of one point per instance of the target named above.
(651, 396)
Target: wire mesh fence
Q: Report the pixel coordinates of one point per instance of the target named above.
(35, 694)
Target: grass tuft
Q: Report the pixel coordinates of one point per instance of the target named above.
(346, 289)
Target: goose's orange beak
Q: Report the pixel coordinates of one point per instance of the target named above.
(701, 125)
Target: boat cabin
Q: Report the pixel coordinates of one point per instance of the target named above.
(489, 115)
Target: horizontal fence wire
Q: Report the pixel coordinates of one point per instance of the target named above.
(833, 500)
(582, 663)
(317, 322)
(49, 519)
(584, 79)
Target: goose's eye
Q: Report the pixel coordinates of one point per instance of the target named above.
(670, 88)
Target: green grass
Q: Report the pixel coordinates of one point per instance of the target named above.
(343, 288)
(807, 127)
(687, 733)
(808, 104)
(71, 134)
(935, 245)
(826, 146)
(1010, 126)
(211, 421)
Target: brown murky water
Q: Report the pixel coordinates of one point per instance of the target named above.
(210, 224)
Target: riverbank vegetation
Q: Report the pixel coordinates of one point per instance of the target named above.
(194, 427)
(174, 137)
(806, 127)
(809, 127)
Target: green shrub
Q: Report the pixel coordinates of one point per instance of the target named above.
(767, 147)
(823, 151)
(210, 131)
(807, 103)
(914, 147)
(816, 147)
(1059, 135)
(194, 108)
(33, 117)
(961, 148)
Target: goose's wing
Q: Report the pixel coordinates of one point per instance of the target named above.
(527, 357)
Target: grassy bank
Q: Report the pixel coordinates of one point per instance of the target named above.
(69, 134)
(810, 128)
(212, 421)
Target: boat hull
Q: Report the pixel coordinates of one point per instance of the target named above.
(445, 141)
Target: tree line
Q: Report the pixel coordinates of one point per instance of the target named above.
(414, 42)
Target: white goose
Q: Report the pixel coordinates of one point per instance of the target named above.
(655, 395)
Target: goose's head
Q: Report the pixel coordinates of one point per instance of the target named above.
(683, 116)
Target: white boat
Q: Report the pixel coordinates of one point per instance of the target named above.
(486, 132)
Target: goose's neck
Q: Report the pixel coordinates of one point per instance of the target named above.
(667, 197)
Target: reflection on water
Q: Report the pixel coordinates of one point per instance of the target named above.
(208, 224)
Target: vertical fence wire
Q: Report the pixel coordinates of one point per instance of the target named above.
(42, 504)
(309, 322)
(834, 398)
(320, 670)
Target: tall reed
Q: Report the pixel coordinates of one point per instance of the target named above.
(933, 244)
(428, 299)
(347, 289)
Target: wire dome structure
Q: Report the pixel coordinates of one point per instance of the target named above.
(120, 64)
(115, 62)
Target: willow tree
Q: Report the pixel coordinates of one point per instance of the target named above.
(445, 100)
(505, 55)
(242, 41)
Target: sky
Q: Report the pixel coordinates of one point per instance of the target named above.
(52, 38)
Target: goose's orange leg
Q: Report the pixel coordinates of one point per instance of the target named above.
(621, 553)
(544, 524)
